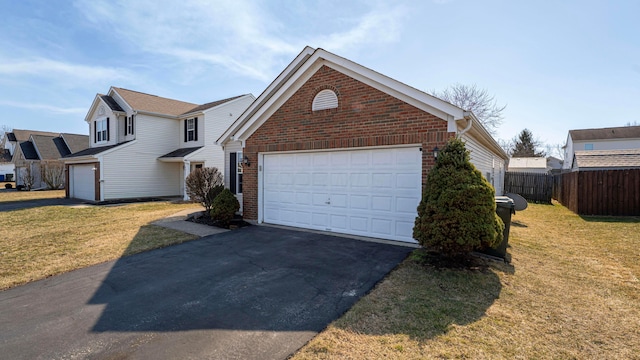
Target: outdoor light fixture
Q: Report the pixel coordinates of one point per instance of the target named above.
(246, 161)
(435, 152)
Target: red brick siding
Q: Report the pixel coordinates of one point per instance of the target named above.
(365, 117)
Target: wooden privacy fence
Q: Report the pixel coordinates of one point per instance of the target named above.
(531, 186)
(602, 192)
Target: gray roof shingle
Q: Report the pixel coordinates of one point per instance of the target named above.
(181, 152)
(618, 159)
(113, 105)
(29, 151)
(624, 132)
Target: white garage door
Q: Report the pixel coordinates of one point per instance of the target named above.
(82, 182)
(371, 193)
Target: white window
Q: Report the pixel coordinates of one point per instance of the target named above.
(191, 129)
(101, 130)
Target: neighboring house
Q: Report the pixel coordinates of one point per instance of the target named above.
(606, 160)
(144, 145)
(6, 166)
(41, 152)
(11, 141)
(554, 164)
(332, 145)
(616, 138)
(536, 165)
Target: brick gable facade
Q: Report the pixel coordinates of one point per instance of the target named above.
(364, 117)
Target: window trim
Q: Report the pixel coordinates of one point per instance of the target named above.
(102, 130)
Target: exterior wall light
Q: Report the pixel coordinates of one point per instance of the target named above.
(436, 151)
(246, 161)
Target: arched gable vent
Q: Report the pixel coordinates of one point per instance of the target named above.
(325, 99)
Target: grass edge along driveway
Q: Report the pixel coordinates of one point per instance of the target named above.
(50, 240)
(571, 292)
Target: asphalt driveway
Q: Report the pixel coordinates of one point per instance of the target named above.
(28, 204)
(253, 293)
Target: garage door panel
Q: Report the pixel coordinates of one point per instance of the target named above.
(82, 182)
(361, 192)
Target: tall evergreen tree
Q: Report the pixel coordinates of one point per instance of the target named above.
(457, 213)
(525, 146)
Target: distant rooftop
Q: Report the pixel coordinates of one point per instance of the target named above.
(624, 132)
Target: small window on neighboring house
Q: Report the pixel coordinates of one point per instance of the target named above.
(191, 129)
(102, 130)
(325, 99)
(129, 126)
(588, 146)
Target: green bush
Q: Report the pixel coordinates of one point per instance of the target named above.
(224, 207)
(457, 213)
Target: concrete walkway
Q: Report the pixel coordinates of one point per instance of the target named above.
(177, 222)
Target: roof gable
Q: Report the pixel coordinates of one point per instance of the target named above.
(623, 132)
(76, 142)
(28, 151)
(528, 162)
(46, 147)
(24, 135)
(310, 60)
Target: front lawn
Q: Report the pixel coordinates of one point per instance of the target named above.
(14, 195)
(40, 242)
(571, 292)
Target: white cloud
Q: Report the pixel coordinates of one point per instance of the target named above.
(46, 108)
(241, 36)
(47, 68)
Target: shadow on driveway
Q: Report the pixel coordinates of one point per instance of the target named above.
(28, 204)
(252, 293)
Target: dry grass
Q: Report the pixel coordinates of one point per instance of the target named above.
(571, 292)
(40, 242)
(12, 195)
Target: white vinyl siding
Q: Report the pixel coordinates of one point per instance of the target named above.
(134, 170)
(487, 162)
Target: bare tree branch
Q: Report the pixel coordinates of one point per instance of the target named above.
(471, 98)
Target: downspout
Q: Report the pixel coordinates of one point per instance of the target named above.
(467, 115)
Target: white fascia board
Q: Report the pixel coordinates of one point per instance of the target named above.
(412, 96)
(273, 104)
(92, 108)
(80, 160)
(167, 116)
(266, 95)
(112, 92)
(486, 139)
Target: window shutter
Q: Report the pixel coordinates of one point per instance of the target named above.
(195, 129)
(95, 132)
(126, 119)
(233, 167)
(185, 131)
(132, 124)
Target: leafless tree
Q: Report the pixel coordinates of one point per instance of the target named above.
(469, 97)
(555, 150)
(203, 185)
(632, 123)
(28, 177)
(3, 132)
(52, 173)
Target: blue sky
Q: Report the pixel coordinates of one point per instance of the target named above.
(557, 65)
